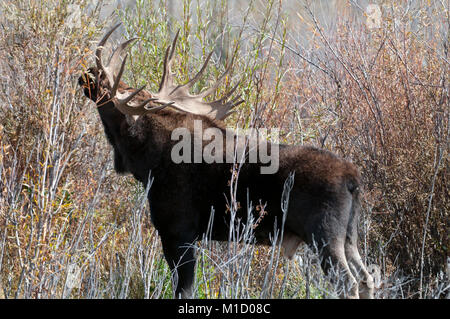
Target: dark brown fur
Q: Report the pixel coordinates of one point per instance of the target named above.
(323, 206)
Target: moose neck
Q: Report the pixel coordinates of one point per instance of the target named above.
(134, 152)
(112, 120)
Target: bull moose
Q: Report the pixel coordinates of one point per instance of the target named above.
(324, 199)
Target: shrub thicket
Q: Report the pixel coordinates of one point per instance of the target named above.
(373, 88)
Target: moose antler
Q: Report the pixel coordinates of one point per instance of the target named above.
(169, 94)
(184, 101)
(113, 72)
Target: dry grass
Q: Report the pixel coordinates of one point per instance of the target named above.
(379, 97)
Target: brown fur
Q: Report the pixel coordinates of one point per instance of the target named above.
(323, 204)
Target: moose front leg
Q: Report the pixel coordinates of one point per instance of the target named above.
(180, 256)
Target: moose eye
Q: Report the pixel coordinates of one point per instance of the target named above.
(89, 77)
(86, 79)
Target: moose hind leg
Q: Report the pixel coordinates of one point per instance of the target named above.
(180, 256)
(333, 259)
(366, 283)
(365, 280)
(327, 232)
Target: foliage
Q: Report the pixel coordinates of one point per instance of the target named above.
(376, 93)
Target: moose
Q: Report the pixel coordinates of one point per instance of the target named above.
(323, 208)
